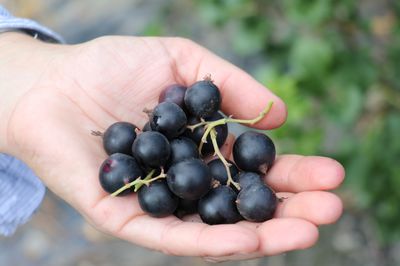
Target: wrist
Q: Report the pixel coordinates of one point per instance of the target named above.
(23, 59)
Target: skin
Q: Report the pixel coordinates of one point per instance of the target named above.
(54, 95)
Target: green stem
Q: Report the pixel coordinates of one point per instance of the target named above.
(133, 183)
(210, 125)
(147, 181)
(213, 135)
(193, 127)
(255, 120)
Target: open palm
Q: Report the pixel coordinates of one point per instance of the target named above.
(90, 86)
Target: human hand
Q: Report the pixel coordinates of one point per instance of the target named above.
(61, 93)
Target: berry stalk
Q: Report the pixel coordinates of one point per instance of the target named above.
(137, 183)
(213, 135)
(229, 119)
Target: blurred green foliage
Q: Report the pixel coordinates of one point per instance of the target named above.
(337, 66)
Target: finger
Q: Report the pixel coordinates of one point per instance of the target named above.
(242, 96)
(286, 234)
(317, 207)
(234, 257)
(173, 236)
(296, 173)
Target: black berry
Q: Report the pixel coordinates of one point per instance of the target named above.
(169, 119)
(157, 200)
(189, 179)
(203, 98)
(256, 203)
(218, 171)
(151, 149)
(181, 149)
(118, 138)
(248, 178)
(254, 152)
(118, 170)
(174, 93)
(218, 206)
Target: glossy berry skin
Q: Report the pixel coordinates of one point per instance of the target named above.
(151, 149)
(218, 171)
(186, 207)
(181, 149)
(147, 127)
(254, 152)
(257, 203)
(203, 98)
(197, 133)
(157, 200)
(118, 138)
(118, 170)
(169, 119)
(247, 179)
(189, 179)
(218, 206)
(174, 93)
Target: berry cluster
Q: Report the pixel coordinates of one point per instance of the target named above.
(165, 162)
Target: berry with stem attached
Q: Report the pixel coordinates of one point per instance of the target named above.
(210, 125)
(196, 133)
(203, 98)
(227, 165)
(139, 182)
(117, 171)
(218, 170)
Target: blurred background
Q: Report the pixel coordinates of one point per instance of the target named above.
(335, 63)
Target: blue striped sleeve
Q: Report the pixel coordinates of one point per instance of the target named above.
(21, 191)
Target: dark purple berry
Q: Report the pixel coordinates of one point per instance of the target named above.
(189, 179)
(151, 149)
(218, 171)
(157, 200)
(218, 206)
(117, 170)
(249, 178)
(202, 99)
(118, 138)
(174, 93)
(169, 119)
(181, 149)
(257, 202)
(254, 152)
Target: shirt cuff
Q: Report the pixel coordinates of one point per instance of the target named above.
(9, 22)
